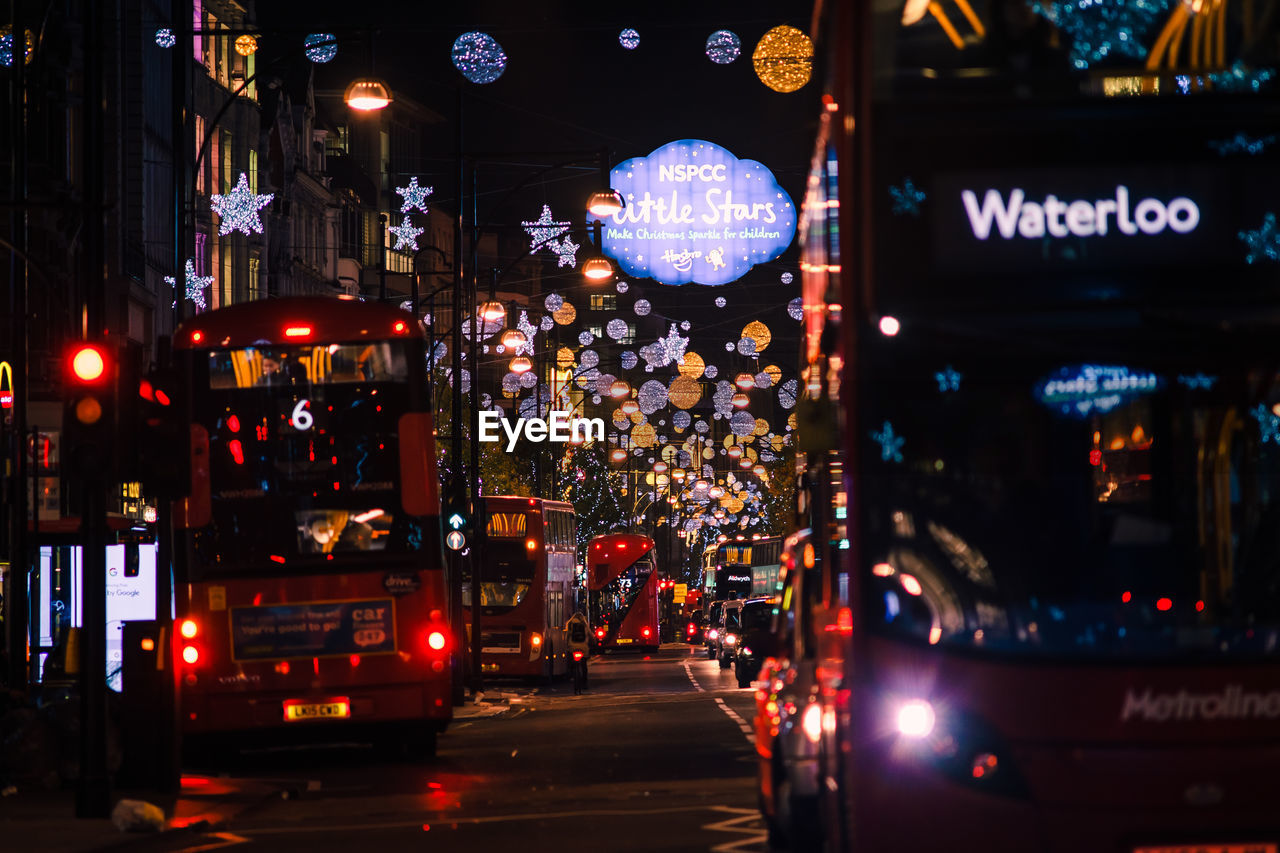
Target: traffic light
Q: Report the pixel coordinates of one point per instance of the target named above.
(457, 526)
(88, 415)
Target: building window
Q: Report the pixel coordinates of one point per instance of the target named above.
(630, 336)
(253, 170)
(596, 331)
(204, 164)
(253, 277)
(604, 302)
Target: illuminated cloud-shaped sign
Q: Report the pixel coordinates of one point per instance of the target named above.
(696, 213)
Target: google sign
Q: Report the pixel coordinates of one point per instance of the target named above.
(696, 213)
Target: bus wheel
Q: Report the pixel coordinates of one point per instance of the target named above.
(725, 663)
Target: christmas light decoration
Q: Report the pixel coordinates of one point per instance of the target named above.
(758, 332)
(553, 302)
(1099, 29)
(585, 338)
(565, 314)
(642, 307)
(721, 302)
(1268, 424)
(711, 371)
(195, 285)
(740, 400)
(762, 380)
(320, 47)
(246, 45)
(616, 329)
(513, 338)
(681, 420)
(1241, 144)
(629, 359)
(629, 38)
(783, 59)
(692, 366)
(747, 346)
(787, 278)
(588, 358)
(521, 365)
(652, 396)
(623, 287)
(796, 308)
(685, 325)
(890, 444)
(406, 235)
(666, 350)
(239, 208)
(478, 57)
(527, 329)
(567, 250)
(723, 47)
(543, 230)
(546, 323)
(1262, 243)
(948, 379)
(906, 198)
(744, 381)
(528, 380)
(164, 38)
(787, 394)
(415, 197)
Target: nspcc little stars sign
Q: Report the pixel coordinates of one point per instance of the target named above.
(694, 212)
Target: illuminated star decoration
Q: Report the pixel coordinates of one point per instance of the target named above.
(544, 230)
(666, 350)
(1264, 242)
(948, 379)
(890, 444)
(907, 198)
(414, 196)
(567, 250)
(1100, 30)
(239, 208)
(406, 235)
(164, 38)
(195, 285)
(529, 330)
(1268, 424)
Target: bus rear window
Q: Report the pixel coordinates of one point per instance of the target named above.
(507, 525)
(320, 364)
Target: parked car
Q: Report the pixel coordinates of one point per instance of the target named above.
(713, 628)
(756, 641)
(727, 632)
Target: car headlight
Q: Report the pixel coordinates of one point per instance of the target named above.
(746, 652)
(730, 639)
(915, 718)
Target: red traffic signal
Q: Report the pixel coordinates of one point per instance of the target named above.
(89, 363)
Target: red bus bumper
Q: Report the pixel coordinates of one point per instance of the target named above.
(207, 713)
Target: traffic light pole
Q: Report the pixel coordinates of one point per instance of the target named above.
(93, 789)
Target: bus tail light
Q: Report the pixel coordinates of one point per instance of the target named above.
(189, 628)
(579, 655)
(437, 640)
(190, 655)
(600, 633)
(730, 639)
(646, 632)
(692, 629)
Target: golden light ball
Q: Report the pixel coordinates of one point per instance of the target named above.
(783, 59)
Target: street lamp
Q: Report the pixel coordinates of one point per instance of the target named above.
(367, 94)
(605, 202)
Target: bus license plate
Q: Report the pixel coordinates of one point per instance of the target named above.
(1208, 848)
(622, 640)
(333, 709)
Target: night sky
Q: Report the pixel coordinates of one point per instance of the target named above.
(570, 86)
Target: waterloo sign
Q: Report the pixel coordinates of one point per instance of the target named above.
(696, 213)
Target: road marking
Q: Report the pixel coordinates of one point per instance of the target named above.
(747, 728)
(689, 673)
(224, 839)
(744, 821)
(449, 819)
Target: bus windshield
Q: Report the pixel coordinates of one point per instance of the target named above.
(303, 453)
(1075, 501)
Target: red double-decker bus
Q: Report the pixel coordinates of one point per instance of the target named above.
(526, 586)
(623, 591)
(309, 552)
(1035, 603)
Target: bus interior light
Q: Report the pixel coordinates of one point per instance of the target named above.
(915, 719)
